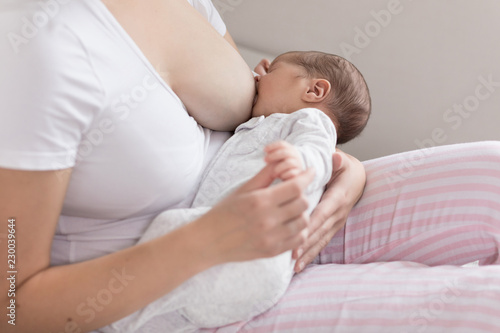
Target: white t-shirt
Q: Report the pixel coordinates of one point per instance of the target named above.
(78, 92)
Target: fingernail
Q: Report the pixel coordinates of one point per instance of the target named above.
(299, 253)
(301, 266)
(305, 233)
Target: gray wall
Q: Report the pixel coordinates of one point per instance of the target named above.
(427, 62)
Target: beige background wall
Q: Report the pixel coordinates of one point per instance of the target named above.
(427, 62)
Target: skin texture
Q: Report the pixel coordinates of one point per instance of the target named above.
(286, 88)
(280, 90)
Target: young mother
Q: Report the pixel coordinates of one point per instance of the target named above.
(95, 142)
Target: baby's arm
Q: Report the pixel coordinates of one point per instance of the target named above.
(286, 159)
(313, 136)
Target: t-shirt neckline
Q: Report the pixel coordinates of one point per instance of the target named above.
(133, 46)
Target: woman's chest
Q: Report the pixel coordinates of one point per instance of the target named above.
(142, 153)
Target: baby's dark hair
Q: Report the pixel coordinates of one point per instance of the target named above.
(349, 102)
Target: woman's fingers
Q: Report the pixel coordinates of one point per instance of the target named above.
(286, 216)
(319, 219)
(296, 240)
(327, 207)
(326, 219)
(310, 248)
(316, 242)
(292, 188)
(259, 221)
(337, 162)
(289, 235)
(292, 215)
(330, 215)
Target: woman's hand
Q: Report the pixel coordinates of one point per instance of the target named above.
(258, 221)
(330, 215)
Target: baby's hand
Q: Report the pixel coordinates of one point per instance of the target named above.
(262, 67)
(286, 159)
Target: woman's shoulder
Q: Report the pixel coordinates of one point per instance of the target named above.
(43, 59)
(41, 46)
(36, 25)
(50, 93)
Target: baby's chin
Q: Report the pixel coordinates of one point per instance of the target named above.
(254, 105)
(256, 112)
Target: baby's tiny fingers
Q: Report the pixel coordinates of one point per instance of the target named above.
(291, 189)
(289, 174)
(276, 145)
(289, 163)
(277, 155)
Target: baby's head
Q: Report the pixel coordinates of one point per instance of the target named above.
(297, 80)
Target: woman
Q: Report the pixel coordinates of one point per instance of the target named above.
(95, 144)
(92, 155)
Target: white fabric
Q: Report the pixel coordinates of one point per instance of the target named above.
(238, 291)
(77, 92)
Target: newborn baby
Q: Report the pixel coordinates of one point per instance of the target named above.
(305, 104)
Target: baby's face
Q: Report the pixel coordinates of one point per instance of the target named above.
(280, 90)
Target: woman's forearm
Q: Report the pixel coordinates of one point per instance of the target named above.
(91, 294)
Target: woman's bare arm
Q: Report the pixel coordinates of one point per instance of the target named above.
(203, 69)
(89, 294)
(254, 222)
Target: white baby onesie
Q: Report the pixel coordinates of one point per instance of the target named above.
(238, 291)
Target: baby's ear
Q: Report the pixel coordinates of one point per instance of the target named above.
(318, 90)
(322, 87)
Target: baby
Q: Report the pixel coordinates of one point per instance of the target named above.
(305, 104)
